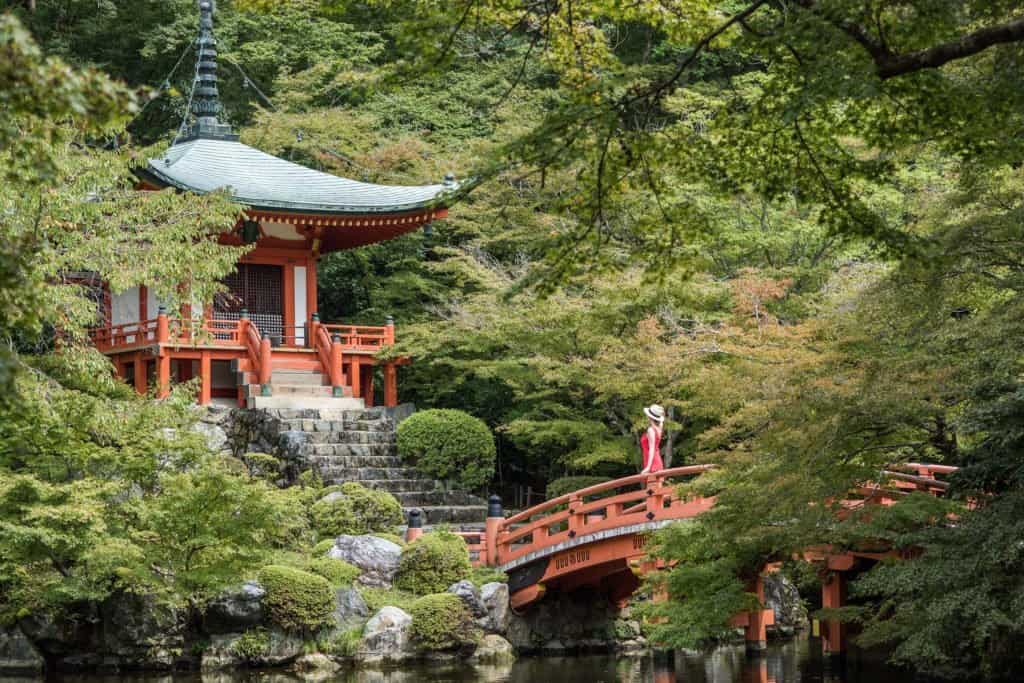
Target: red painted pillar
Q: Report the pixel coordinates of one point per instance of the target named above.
(756, 632)
(415, 528)
(141, 381)
(368, 392)
(833, 595)
(356, 377)
(206, 377)
(163, 375)
(390, 385)
(337, 372)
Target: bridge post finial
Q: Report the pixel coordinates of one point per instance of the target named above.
(495, 522)
(415, 528)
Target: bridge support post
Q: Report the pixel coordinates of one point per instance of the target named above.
(756, 631)
(495, 518)
(415, 528)
(833, 632)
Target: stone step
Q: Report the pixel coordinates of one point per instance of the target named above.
(301, 403)
(395, 486)
(324, 462)
(338, 475)
(454, 514)
(253, 390)
(413, 499)
(299, 377)
(350, 449)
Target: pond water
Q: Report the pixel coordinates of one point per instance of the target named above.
(797, 661)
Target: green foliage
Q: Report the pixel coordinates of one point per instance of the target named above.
(354, 509)
(432, 563)
(296, 600)
(338, 572)
(321, 548)
(563, 485)
(480, 576)
(394, 538)
(442, 622)
(449, 445)
(252, 645)
(376, 598)
(345, 643)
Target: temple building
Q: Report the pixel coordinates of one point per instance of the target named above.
(263, 343)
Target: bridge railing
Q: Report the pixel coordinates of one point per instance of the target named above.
(610, 505)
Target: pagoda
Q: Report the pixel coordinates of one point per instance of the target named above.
(262, 343)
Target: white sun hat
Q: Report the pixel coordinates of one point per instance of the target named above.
(655, 412)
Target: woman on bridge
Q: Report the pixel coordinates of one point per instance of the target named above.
(650, 442)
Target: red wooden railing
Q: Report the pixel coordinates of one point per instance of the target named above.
(361, 337)
(631, 500)
(128, 334)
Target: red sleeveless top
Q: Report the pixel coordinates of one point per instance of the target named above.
(645, 450)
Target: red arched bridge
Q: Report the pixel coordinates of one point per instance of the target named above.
(597, 537)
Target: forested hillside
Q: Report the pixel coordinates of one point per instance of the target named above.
(798, 225)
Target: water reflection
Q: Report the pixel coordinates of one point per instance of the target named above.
(795, 662)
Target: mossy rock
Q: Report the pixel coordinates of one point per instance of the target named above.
(297, 600)
(449, 445)
(338, 572)
(355, 510)
(442, 622)
(394, 538)
(433, 562)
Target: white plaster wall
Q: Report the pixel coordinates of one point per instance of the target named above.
(124, 307)
(301, 313)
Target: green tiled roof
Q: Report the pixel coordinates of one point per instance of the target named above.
(261, 180)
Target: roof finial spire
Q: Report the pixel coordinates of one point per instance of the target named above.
(206, 99)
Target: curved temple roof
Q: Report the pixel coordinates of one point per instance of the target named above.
(261, 180)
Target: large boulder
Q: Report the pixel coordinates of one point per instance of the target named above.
(216, 437)
(139, 632)
(236, 610)
(470, 597)
(18, 656)
(350, 608)
(256, 647)
(386, 637)
(494, 597)
(494, 649)
(377, 557)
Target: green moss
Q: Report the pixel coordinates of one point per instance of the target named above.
(394, 538)
(358, 510)
(296, 600)
(442, 622)
(432, 562)
(344, 644)
(450, 445)
(321, 548)
(253, 644)
(484, 575)
(337, 572)
(375, 598)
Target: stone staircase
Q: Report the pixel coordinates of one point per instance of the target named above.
(359, 445)
(298, 384)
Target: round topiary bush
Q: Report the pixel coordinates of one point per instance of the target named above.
(442, 622)
(355, 509)
(337, 572)
(296, 600)
(432, 562)
(449, 445)
(565, 485)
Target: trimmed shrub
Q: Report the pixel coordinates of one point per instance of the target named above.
(449, 445)
(375, 598)
(563, 485)
(442, 622)
(337, 572)
(433, 562)
(354, 509)
(480, 576)
(297, 601)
